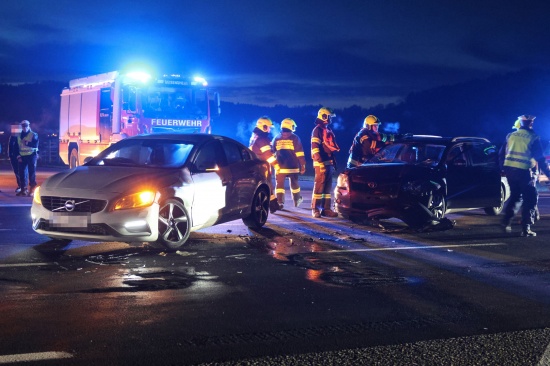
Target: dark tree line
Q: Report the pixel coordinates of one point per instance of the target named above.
(484, 108)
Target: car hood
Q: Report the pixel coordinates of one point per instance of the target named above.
(393, 172)
(104, 182)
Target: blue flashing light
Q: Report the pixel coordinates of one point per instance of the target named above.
(200, 80)
(139, 75)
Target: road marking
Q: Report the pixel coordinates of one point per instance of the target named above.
(545, 359)
(412, 248)
(37, 356)
(25, 265)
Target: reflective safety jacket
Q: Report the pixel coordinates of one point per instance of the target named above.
(260, 144)
(522, 146)
(323, 145)
(28, 143)
(289, 152)
(365, 144)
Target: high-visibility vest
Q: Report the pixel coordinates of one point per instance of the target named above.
(25, 150)
(518, 149)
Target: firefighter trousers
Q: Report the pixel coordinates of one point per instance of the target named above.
(322, 188)
(523, 193)
(294, 188)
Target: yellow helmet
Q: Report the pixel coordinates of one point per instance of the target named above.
(288, 123)
(517, 124)
(371, 120)
(324, 114)
(264, 123)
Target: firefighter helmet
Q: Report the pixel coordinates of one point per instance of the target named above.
(324, 114)
(264, 124)
(517, 124)
(289, 124)
(371, 120)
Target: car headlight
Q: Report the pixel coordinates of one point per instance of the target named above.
(36, 195)
(135, 200)
(343, 181)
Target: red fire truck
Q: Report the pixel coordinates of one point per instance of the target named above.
(99, 110)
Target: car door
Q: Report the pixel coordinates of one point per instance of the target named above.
(485, 173)
(243, 173)
(459, 183)
(212, 201)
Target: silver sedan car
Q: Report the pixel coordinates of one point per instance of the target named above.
(154, 188)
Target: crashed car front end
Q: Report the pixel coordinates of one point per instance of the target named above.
(388, 190)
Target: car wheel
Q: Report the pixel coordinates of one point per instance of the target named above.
(497, 209)
(73, 158)
(437, 205)
(260, 210)
(174, 224)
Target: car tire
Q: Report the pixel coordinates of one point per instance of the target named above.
(174, 224)
(259, 211)
(437, 205)
(493, 211)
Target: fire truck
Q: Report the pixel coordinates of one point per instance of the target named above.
(99, 110)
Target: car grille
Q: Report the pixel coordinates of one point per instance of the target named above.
(58, 204)
(94, 229)
(375, 187)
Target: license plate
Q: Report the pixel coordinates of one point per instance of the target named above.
(72, 220)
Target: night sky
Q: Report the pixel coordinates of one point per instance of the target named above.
(335, 53)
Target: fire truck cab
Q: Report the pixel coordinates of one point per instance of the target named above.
(99, 110)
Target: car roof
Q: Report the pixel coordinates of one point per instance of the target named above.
(195, 138)
(431, 139)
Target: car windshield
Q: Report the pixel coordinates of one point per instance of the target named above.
(145, 153)
(410, 153)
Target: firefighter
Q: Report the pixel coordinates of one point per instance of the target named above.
(28, 155)
(289, 153)
(368, 141)
(516, 157)
(260, 144)
(323, 148)
(13, 153)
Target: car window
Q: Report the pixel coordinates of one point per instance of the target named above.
(145, 153)
(232, 152)
(411, 153)
(456, 156)
(483, 154)
(210, 157)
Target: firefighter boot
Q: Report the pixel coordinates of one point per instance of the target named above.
(328, 213)
(298, 200)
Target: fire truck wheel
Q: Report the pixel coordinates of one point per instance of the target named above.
(73, 158)
(174, 224)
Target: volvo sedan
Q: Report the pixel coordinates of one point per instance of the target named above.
(154, 188)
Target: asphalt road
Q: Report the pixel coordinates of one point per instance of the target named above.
(300, 291)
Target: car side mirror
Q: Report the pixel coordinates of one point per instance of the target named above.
(208, 166)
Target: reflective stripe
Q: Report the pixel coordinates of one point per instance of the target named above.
(315, 151)
(284, 145)
(288, 171)
(271, 159)
(318, 196)
(265, 148)
(316, 139)
(316, 163)
(280, 190)
(300, 153)
(294, 191)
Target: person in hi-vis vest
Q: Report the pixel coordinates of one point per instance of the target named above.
(517, 156)
(28, 155)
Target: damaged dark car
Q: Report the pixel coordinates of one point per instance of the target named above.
(420, 179)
